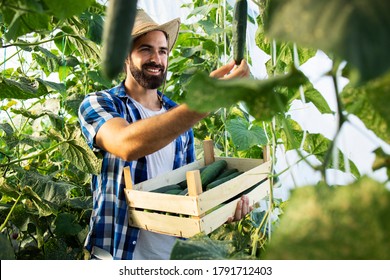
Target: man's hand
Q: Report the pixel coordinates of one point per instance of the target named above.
(242, 209)
(230, 71)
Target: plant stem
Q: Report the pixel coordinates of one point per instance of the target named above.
(32, 156)
(257, 233)
(341, 121)
(10, 212)
(35, 43)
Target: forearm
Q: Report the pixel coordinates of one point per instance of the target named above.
(135, 140)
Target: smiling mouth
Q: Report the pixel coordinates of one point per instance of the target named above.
(153, 70)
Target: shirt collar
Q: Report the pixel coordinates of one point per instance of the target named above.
(120, 92)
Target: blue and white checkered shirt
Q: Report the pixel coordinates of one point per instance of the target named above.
(109, 228)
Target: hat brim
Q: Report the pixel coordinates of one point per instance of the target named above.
(171, 28)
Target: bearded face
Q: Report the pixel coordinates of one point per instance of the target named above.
(150, 76)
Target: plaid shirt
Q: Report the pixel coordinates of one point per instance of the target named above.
(109, 228)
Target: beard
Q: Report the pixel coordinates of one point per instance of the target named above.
(146, 80)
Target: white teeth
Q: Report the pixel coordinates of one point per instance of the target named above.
(153, 70)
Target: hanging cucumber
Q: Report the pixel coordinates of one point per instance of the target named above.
(117, 35)
(239, 29)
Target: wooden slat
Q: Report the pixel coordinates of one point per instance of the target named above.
(172, 225)
(211, 198)
(208, 150)
(194, 183)
(267, 153)
(215, 219)
(128, 182)
(242, 164)
(162, 202)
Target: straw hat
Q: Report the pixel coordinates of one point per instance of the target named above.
(144, 23)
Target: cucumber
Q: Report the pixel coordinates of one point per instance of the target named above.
(239, 29)
(227, 172)
(183, 184)
(184, 192)
(168, 188)
(117, 35)
(211, 172)
(223, 180)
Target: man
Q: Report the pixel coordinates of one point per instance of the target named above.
(133, 124)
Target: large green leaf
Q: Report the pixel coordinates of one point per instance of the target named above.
(22, 22)
(57, 249)
(355, 30)
(201, 247)
(316, 98)
(263, 98)
(245, 135)
(44, 207)
(348, 222)
(370, 104)
(10, 137)
(74, 149)
(6, 252)
(64, 9)
(21, 90)
(66, 224)
(318, 145)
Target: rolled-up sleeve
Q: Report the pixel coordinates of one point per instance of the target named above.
(94, 111)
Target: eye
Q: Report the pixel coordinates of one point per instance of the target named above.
(144, 49)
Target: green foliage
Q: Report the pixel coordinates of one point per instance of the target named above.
(367, 103)
(353, 30)
(263, 98)
(344, 222)
(45, 164)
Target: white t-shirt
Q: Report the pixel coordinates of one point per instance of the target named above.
(150, 245)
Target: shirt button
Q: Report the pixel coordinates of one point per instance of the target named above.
(134, 242)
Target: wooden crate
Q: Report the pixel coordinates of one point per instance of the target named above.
(193, 214)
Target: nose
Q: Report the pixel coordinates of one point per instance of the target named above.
(155, 57)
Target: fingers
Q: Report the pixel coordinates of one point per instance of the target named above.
(230, 71)
(239, 209)
(242, 209)
(223, 70)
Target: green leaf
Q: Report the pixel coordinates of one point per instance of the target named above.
(245, 135)
(8, 190)
(10, 137)
(370, 104)
(44, 207)
(355, 30)
(262, 97)
(82, 203)
(202, 248)
(290, 132)
(95, 24)
(97, 77)
(342, 223)
(74, 149)
(382, 160)
(56, 249)
(58, 87)
(314, 96)
(23, 23)
(66, 224)
(318, 145)
(64, 9)
(21, 90)
(46, 188)
(6, 252)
